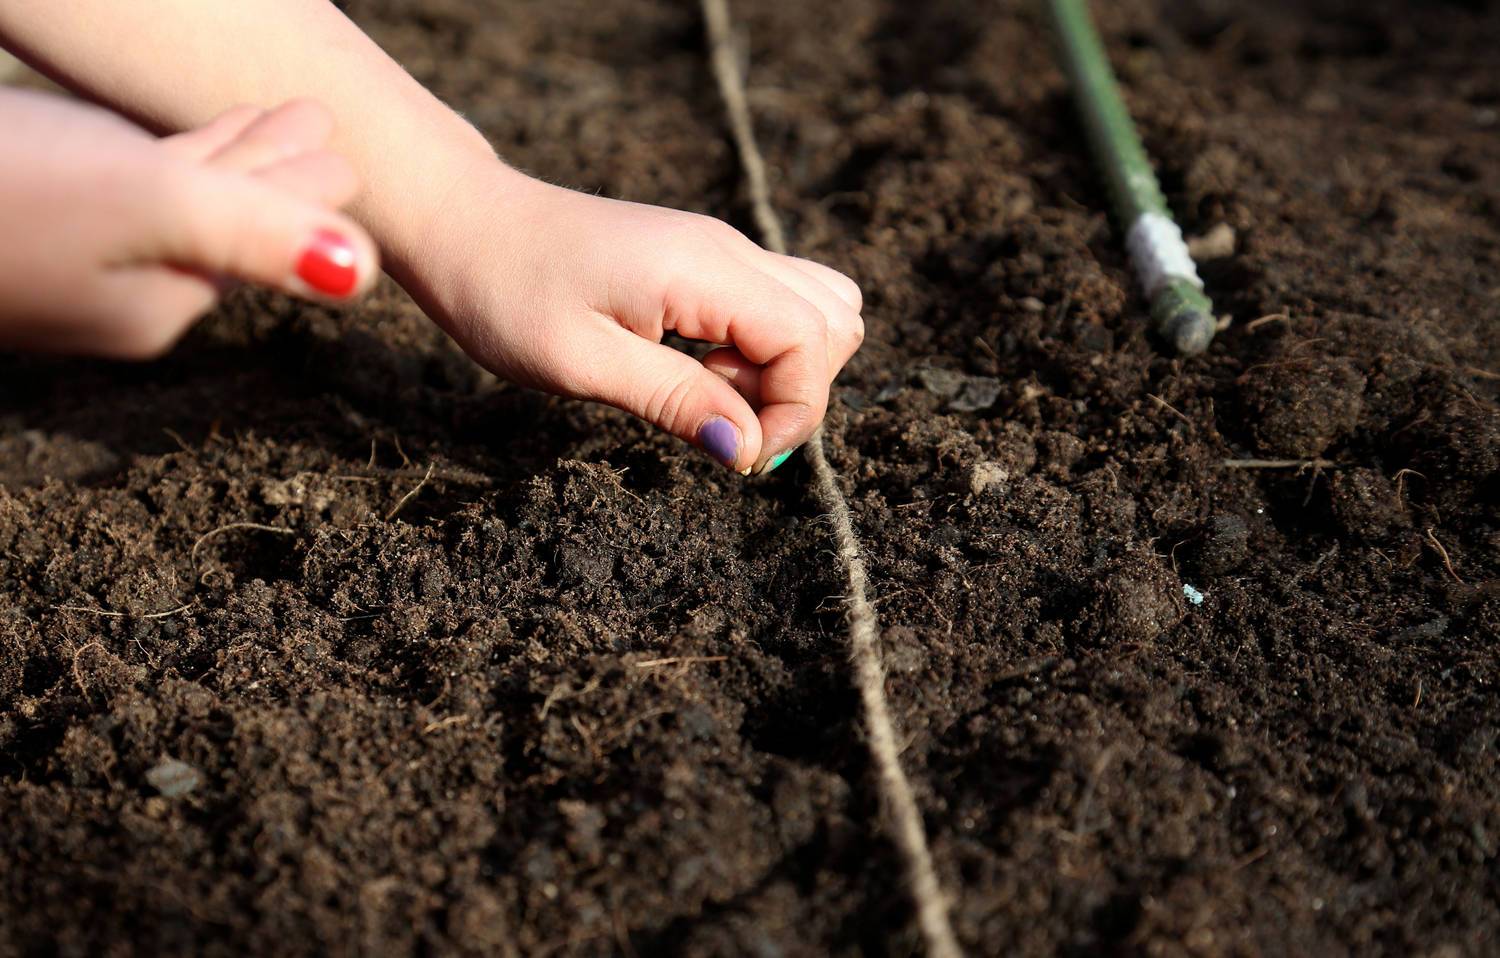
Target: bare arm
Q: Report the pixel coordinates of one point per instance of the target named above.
(175, 64)
(563, 291)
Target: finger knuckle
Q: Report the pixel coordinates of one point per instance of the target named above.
(853, 293)
(669, 400)
(805, 381)
(806, 317)
(805, 416)
(818, 327)
(728, 233)
(703, 230)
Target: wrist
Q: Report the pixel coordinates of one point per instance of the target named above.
(452, 235)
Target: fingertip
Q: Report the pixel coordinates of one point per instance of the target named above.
(664, 387)
(785, 426)
(731, 434)
(337, 261)
(721, 439)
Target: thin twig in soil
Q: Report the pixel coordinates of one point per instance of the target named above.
(1294, 362)
(78, 676)
(177, 438)
(864, 629)
(441, 724)
(618, 475)
(409, 496)
(153, 660)
(405, 459)
(1255, 324)
(1169, 407)
(562, 692)
(1401, 475)
(1279, 464)
(258, 527)
(110, 614)
(681, 660)
(1447, 562)
(1251, 858)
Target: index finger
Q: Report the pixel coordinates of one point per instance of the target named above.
(772, 326)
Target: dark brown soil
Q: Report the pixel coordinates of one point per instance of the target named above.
(443, 724)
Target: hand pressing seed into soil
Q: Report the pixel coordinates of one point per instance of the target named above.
(551, 288)
(118, 240)
(572, 294)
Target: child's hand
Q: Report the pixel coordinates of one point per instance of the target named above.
(115, 241)
(551, 288)
(572, 293)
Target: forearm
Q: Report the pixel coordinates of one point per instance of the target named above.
(174, 64)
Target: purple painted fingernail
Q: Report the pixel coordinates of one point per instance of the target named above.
(720, 439)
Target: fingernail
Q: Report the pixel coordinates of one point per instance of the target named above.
(720, 439)
(774, 461)
(327, 265)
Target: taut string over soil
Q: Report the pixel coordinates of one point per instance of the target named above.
(910, 838)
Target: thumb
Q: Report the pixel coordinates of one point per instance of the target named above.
(675, 392)
(230, 224)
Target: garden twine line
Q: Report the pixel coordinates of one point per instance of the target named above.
(864, 629)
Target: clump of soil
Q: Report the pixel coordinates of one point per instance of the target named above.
(262, 687)
(1298, 409)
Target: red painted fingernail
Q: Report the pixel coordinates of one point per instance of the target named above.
(327, 265)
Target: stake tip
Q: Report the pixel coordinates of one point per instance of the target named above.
(1190, 331)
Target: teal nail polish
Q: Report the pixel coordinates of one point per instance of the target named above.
(778, 460)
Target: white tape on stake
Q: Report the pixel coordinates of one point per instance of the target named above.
(1159, 253)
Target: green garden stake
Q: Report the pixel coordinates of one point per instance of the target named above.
(1181, 312)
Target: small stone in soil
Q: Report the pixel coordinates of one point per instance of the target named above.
(964, 393)
(980, 392)
(1217, 243)
(173, 778)
(987, 477)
